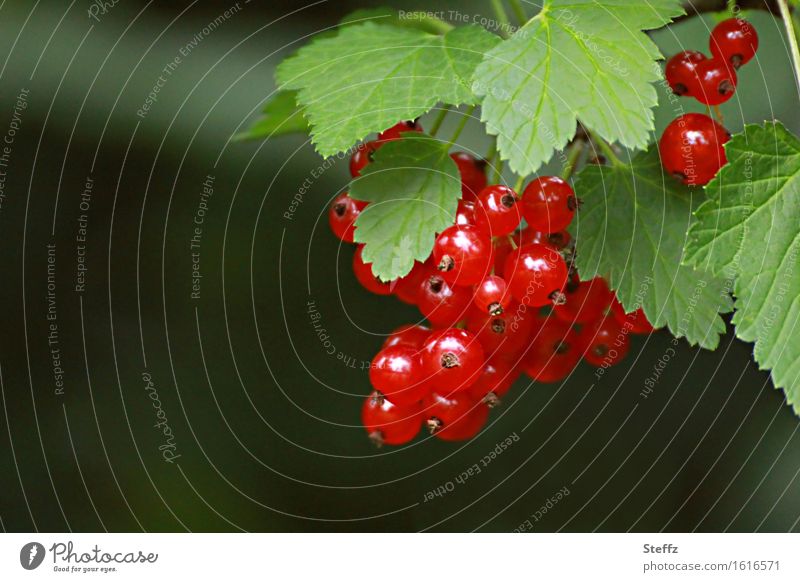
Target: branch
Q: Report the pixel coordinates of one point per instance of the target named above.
(695, 7)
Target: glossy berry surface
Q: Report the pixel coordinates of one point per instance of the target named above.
(503, 336)
(363, 272)
(680, 72)
(463, 254)
(691, 148)
(473, 174)
(409, 335)
(635, 322)
(441, 303)
(454, 417)
(535, 274)
(492, 296)
(558, 240)
(396, 372)
(452, 360)
(548, 204)
(362, 156)
(396, 131)
(342, 214)
(407, 288)
(494, 382)
(716, 82)
(734, 41)
(585, 301)
(606, 342)
(465, 213)
(554, 351)
(388, 423)
(498, 211)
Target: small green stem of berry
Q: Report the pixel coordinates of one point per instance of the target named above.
(512, 242)
(519, 12)
(520, 183)
(573, 156)
(502, 17)
(498, 171)
(604, 146)
(788, 23)
(464, 119)
(437, 123)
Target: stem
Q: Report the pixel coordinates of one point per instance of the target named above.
(439, 120)
(512, 241)
(461, 124)
(520, 183)
(718, 115)
(498, 171)
(519, 12)
(574, 154)
(502, 17)
(608, 152)
(790, 32)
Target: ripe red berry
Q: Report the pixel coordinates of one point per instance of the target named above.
(586, 301)
(635, 322)
(607, 343)
(362, 156)
(452, 360)
(535, 275)
(407, 288)
(734, 41)
(342, 214)
(463, 254)
(494, 382)
(473, 174)
(491, 295)
(390, 424)
(498, 211)
(716, 82)
(548, 204)
(680, 72)
(465, 213)
(396, 372)
(558, 240)
(454, 417)
(396, 131)
(691, 148)
(554, 351)
(441, 303)
(409, 335)
(503, 336)
(363, 272)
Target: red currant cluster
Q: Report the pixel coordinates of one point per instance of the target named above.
(501, 300)
(691, 146)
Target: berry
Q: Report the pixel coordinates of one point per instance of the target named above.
(342, 214)
(390, 424)
(491, 296)
(396, 372)
(473, 174)
(503, 336)
(548, 204)
(465, 213)
(635, 322)
(441, 303)
(463, 254)
(535, 275)
(680, 72)
(452, 360)
(362, 156)
(586, 301)
(363, 272)
(455, 417)
(554, 351)
(407, 288)
(716, 82)
(558, 240)
(494, 382)
(607, 343)
(410, 336)
(396, 131)
(498, 211)
(734, 41)
(691, 148)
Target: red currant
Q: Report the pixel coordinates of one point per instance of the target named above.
(606, 342)
(635, 322)
(548, 204)
(463, 254)
(363, 272)
(452, 360)
(554, 351)
(491, 296)
(342, 214)
(390, 424)
(407, 288)
(473, 174)
(409, 335)
(397, 130)
(455, 417)
(586, 301)
(498, 211)
(680, 72)
(494, 382)
(362, 156)
(465, 213)
(716, 82)
(535, 275)
(734, 41)
(503, 336)
(441, 303)
(396, 372)
(558, 240)
(691, 148)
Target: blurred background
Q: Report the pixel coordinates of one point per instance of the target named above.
(129, 404)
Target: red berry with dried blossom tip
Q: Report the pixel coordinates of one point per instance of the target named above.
(548, 204)
(396, 131)
(691, 148)
(396, 371)
(554, 352)
(388, 423)
(406, 289)
(473, 174)
(680, 72)
(452, 360)
(586, 301)
(535, 275)
(362, 156)
(558, 240)
(716, 82)
(455, 417)
(607, 343)
(342, 214)
(491, 295)
(463, 254)
(636, 321)
(409, 336)
(494, 382)
(734, 41)
(503, 336)
(365, 276)
(498, 211)
(441, 303)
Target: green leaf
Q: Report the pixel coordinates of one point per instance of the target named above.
(749, 228)
(577, 60)
(632, 229)
(370, 75)
(281, 116)
(413, 187)
(386, 15)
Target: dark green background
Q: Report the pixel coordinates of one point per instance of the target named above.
(267, 423)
